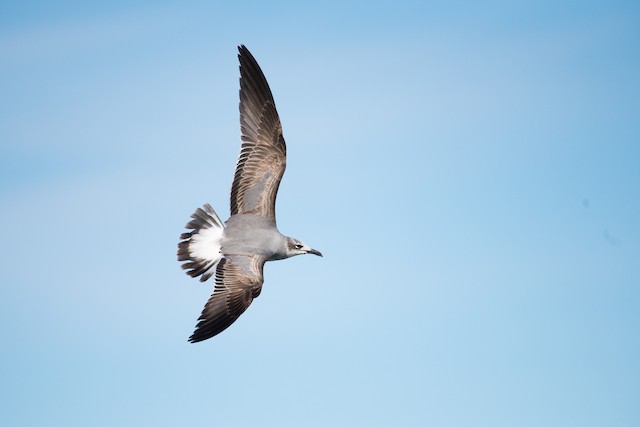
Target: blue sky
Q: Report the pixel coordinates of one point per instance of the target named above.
(470, 172)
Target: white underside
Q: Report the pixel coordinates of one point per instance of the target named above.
(206, 244)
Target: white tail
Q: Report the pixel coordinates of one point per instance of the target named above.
(201, 246)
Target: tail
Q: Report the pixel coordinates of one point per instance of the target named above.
(201, 246)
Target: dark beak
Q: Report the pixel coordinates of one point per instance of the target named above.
(313, 251)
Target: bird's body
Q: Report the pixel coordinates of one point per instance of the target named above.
(248, 234)
(234, 253)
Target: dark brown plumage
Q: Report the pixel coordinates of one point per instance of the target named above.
(262, 158)
(238, 282)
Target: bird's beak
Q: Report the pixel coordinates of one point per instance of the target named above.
(313, 251)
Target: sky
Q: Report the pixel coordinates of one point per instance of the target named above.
(469, 170)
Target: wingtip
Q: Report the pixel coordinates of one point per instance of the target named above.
(199, 336)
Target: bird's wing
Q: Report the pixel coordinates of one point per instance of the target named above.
(238, 282)
(262, 157)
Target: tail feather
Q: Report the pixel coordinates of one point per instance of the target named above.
(201, 246)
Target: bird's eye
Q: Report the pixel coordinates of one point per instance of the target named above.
(298, 246)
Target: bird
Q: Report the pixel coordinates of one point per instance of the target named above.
(234, 252)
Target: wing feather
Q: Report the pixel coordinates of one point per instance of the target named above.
(238, 281)
(262, 158)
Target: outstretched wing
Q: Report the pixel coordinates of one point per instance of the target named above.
(238, 282)
(263, 153)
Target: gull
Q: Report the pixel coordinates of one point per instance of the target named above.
(234, 253)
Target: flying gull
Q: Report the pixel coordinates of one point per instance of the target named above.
(234, 253)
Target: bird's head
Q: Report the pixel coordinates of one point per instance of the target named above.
(296, 247)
